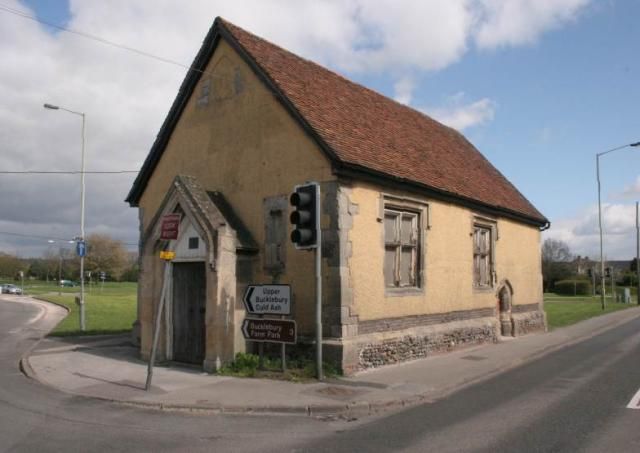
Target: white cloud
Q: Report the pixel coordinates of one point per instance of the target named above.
(516, 22)
(126, 96)
(403, 90)
(581, 232)
(630, 192)
(460, 115)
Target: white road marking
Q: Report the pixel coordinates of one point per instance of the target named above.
(635, 401)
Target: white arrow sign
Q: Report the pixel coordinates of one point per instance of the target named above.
(268, 299)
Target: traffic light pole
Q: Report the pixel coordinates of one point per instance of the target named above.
(319, 307)
(307, 234)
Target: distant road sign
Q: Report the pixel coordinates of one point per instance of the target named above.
(81, 248)
(169, 226)
(268, 299)
(269, 330)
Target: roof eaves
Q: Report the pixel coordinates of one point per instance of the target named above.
(366, 173)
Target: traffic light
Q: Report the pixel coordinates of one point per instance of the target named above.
(607, 272)
(305, 217)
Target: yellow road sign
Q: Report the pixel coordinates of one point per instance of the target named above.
(166, 255)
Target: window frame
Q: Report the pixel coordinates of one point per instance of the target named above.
(489, 224)
(418, 210)
(275, 210)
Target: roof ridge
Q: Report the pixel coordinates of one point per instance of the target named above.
(362, 132)
(227, 24)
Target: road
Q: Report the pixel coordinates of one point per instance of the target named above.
(572, 400)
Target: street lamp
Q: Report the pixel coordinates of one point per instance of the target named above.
(602, 283)
(51, 241)
(81, 238)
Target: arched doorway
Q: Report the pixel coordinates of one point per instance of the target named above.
(505, 295)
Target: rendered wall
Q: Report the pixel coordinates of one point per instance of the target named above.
(448, 261)
(244, 144)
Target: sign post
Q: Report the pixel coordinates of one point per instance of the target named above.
(156, 332)
(263, 300)
(168, 231)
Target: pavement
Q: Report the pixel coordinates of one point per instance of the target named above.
(109, 368)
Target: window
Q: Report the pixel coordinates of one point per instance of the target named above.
(194, 243)
(482, 256)
(402, 248)
(205, 89)
(275, 210)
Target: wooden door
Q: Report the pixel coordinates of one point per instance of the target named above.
(189, 302)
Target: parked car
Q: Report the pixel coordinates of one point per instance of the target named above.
(68, 283)
(11, 289)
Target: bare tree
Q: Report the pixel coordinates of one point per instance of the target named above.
(105, 254)
(556, 256)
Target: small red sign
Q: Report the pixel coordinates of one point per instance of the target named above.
(169, 227)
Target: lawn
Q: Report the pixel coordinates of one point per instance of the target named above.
(108, 310)
(565, 310)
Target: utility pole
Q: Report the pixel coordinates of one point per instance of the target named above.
(60, 273)
(81, 238)
(602, 282)
(638, 254)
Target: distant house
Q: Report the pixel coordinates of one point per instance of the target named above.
(427, 247)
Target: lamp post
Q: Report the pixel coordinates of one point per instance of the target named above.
(51, 241)
(602, 282)
(81, 238)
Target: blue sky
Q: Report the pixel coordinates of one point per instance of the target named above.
(539, 98)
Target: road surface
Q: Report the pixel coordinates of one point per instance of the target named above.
(581, 398)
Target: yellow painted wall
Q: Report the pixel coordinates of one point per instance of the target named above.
(248, 147)
(448, 255)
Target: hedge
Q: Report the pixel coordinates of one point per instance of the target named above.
(573, 287)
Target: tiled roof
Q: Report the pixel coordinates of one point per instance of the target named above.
(362, 130)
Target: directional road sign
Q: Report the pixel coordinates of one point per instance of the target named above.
(268, 299)
(269, 330)
(81, 248)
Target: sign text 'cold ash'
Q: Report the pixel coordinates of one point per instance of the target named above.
(268, 299)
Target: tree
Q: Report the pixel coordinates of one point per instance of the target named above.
(105, 254)
(131, 271)
(556, 255)
(10, 265)
(634, 265)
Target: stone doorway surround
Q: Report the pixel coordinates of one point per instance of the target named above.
(226, 243)
(505, 303)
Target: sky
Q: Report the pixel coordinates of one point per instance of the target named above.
(538, 86)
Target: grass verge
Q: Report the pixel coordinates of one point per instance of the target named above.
(566, 310)
(108, 310)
